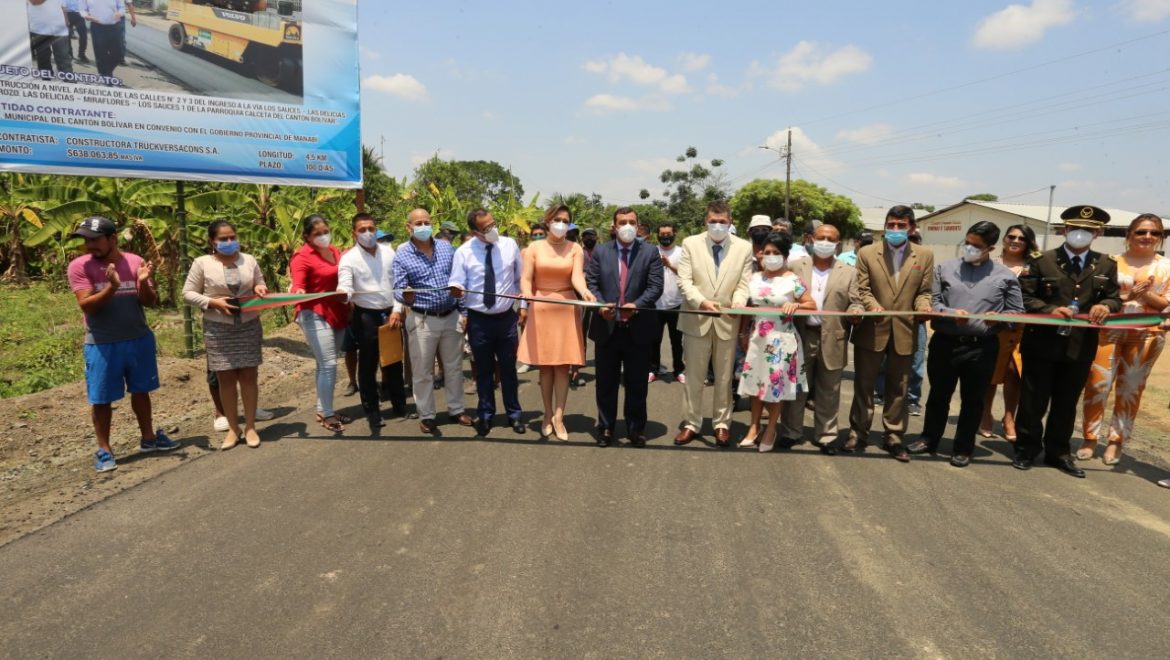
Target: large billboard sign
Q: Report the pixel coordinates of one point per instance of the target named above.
(253, 91)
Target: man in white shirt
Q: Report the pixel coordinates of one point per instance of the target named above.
(105, 26)
(365, 272)
(48, 33)
(668, 305)
(490, 263)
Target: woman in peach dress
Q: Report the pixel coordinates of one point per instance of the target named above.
(553, 338)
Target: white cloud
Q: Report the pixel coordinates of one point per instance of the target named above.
(1015, 26)
(1147, 11)
(716, 88)
(694, 61)
(402, 85)
(574, 139)
(805, 151)
(603, 103)
(812, 63)
(866, 134)
(369, 54)
(1069, 167)
(928, 179)
(636, 70)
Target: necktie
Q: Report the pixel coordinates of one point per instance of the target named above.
(715, 252)
(489, 279)
(623, 272)
(1076, 264)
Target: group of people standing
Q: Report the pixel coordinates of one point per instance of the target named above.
(51, 22)
(522, 305)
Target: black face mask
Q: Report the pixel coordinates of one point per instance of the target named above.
(589, 242)
(666, 240)
(758, 237)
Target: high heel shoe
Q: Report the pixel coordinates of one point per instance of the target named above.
(229, 441)
(561, 433)
(748, 443)
(1115, 458)
(768, 445)
(1009, 438)
(252, 439)
(545, 431)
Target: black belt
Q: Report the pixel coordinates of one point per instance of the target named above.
(969, 339)
(492, 316)
(369, 310)
(427, 312)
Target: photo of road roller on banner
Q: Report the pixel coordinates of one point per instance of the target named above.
(181, 64)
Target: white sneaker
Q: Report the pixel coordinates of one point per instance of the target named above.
(523, 368)
(263, 415)
(221, 424)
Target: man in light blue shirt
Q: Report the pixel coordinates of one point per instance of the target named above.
(77, 23)
(490, 263)
(105, 20)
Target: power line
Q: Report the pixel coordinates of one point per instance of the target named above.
(980, 81)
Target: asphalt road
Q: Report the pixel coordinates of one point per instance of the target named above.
(202, 73)
(401, 546)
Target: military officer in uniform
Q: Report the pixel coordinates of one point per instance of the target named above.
(1057, 359)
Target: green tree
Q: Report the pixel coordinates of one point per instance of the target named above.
(17, 219)
(919, 206)
(385, 196)
(983, 197)
(690, 188)
(476, 182)
(588, 210)
(808, 202)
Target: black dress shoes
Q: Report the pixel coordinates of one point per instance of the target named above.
(922, 446)
(517, 425)
(375, 421)
(961, 460)
(828, 448)
(604, 437)
(482, 427)
(637, 439)
(1066, 465)
(1021, 462)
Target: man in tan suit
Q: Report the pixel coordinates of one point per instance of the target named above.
(893, 275)
(713, 273)
(833, 286)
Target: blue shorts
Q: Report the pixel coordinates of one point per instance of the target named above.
(112, 369)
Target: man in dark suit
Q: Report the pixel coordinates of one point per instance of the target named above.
(1057, 360)
(625, 274)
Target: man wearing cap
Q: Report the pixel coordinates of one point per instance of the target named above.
(758, 230)
(668, 305)
(112, 287)
(491, 264)
(1057, 360)
(448, 231)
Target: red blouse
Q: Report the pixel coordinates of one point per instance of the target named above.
(312, 273)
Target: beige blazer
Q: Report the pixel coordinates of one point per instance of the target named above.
(698, 281)
(206, 280)
(880, 287)
(841, 295)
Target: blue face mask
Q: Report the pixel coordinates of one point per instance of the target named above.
(227, 248)
(897, 238)
(422, 232)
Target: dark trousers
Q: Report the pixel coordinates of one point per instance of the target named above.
(493, 339)
(365, 325)
(77, 24)
(107, 47)
(968, 362)
(1045, 382)
(47, 48)
(668, 324)
(620, 361)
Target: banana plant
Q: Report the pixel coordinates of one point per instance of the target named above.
(516, 217)
(17, 217)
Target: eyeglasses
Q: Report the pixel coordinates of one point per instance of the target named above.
(1147, 232)
(1014, 238)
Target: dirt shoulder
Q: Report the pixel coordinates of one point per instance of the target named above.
(47, 445)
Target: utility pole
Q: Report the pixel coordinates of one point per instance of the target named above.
(1048, 222)
(788, 180)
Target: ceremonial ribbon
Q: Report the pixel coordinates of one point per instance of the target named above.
(1130, 321)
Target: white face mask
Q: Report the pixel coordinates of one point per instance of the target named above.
(492, 235)
(824, 249)
(773, 261)
(322, 240)
(367, 239)
(972, 254)
(627, 233)
(1079, 239)
(717, 230)
(559, 229)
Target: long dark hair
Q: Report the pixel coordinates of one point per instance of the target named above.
(1029, 236)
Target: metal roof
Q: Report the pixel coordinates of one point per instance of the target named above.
(1037, 212)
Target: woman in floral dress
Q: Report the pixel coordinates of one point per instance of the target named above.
(773, 370)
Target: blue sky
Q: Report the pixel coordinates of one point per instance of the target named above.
(888, 101)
